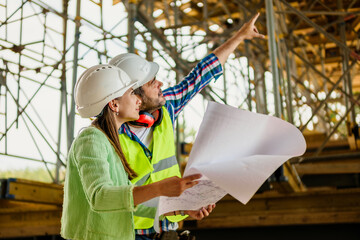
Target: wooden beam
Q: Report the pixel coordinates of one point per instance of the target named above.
(280, 219)
(275, 209)
(33, 191)
(344, 144)
(21, 219)
(342, 166)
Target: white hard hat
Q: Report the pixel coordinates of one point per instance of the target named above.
(99, 85)
(138, 68)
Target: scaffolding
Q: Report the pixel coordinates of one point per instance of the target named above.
(305, 72)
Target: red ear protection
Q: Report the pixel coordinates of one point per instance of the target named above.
(147, 120)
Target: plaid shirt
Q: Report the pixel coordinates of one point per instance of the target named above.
(176, 98)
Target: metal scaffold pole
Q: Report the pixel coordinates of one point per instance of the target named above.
(71, 115)
(131, 25)
(270, 23)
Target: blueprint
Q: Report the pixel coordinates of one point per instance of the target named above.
(235, 151)
(205, 192)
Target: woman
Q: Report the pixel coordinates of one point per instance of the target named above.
(99, 199)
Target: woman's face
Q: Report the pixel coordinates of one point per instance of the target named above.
(129, 106)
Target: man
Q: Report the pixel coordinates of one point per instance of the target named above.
(150, 140)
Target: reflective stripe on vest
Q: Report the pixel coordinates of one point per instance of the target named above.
(162, 165)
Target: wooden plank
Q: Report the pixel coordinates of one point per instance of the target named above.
(274, 209)
(21, 219)
(32, 191)
(8, 205)
(345, 166)
(279, 219)
(30, 231)
(331, 144)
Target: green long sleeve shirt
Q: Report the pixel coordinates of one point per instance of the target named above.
(98, 200)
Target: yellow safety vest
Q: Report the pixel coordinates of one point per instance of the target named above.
(163, 164)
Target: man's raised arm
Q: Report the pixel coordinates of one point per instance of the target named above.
(247, 31)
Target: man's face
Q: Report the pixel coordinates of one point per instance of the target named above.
(151, 96)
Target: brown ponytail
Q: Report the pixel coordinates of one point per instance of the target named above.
(106, 123)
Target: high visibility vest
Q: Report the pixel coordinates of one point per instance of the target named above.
(163, 164)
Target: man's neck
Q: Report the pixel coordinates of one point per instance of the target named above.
(155, 114)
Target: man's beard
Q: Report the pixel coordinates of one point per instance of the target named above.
(150, 105)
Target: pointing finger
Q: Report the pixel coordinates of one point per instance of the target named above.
(254, 18)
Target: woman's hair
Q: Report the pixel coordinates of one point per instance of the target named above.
(106, 123)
